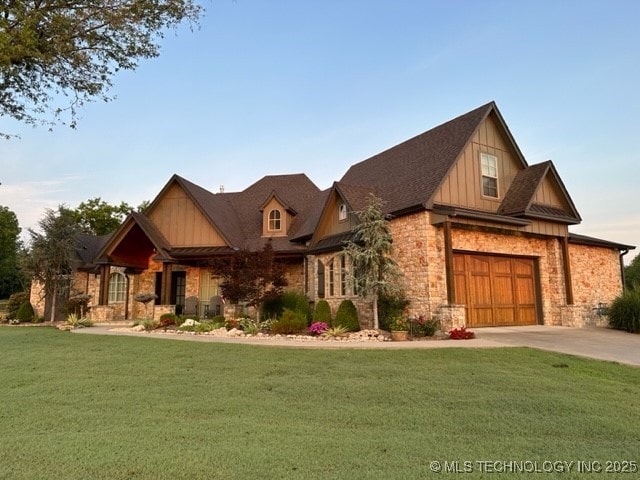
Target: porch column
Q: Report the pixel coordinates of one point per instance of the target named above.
(448, 262)
(165, 294)
(105, 272)
(568, 283)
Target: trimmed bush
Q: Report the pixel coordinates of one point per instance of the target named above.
(390, 307)
(290, 323)
(14, 303)
(322, 312)
(347, 316)
(25, 313)
(624, 312)
(168, 319)
(290, 299)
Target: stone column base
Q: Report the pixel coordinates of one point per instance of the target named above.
(101, 313)
(583, 316)
(451, 316)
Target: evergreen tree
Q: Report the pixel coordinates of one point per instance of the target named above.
(373, 269)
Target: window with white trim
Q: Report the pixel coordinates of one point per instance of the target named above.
(343, 275)
(489, 164)
(274, 220)
(117, 287)
(331, 278)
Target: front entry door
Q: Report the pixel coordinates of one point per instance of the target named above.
(178, 290)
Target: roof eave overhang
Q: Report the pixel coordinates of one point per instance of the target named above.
(596, 242)
(453, 212)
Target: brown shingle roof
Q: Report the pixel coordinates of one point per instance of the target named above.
(410, 173)
(518, 200)
(522, 189)
(238, 215)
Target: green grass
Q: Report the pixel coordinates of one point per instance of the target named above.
(83, 406)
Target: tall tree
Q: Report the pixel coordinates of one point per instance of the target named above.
(632, 274)
(51, 255)
(10, 245)
(254, 277)
(56, 55)
(373, 270)
(99, 217)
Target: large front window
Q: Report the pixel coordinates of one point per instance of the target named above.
(117, 287)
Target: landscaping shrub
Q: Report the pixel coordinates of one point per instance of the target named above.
(25, 313)
(461, 334)
(77, 322)
(14, 303)
(421, 327)
(318, 328)
(206, 326)
(322, 312)
(78, 304)
(390, 307)
(168, 319)
(290, 323)
(149, 324)
(624, 312)
(290, 299)
(347, 316)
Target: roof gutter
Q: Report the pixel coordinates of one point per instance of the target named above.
(489, 217)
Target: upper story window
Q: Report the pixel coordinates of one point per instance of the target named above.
(274, 220)
(117, 287)
(342, 212)
(489, 165)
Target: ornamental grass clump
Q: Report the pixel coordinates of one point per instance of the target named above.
(335, 332)
(624, 312)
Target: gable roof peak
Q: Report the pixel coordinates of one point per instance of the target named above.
(408, 174)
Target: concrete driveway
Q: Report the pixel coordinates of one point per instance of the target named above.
(600, 343)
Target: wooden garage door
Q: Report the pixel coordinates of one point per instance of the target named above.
(497, 291)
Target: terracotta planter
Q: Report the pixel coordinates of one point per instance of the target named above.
(399, 335)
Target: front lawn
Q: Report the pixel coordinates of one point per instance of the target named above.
(89, 406)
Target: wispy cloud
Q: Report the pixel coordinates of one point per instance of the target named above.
(28, 200)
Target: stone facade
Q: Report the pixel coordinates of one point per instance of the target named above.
(365, 313)
(420, 252)
(596, 275)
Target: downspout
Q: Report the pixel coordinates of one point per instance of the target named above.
(623, 252)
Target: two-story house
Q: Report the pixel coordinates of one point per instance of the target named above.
(481, 236)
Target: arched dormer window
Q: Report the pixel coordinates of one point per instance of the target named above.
(275, 224)
(342, 212)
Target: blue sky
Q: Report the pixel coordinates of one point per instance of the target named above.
(283, 86)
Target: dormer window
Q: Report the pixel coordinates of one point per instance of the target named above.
(274, 221)
(489, 165)
(342, 212)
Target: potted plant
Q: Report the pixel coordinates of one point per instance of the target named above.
(399, 328)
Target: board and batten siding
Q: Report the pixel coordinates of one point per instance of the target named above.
(463, 185)
(182, 223)
(548, 194)
(330, 224)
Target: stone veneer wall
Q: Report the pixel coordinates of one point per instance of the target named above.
(365, 313)
(595, 273)
(36, 297)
